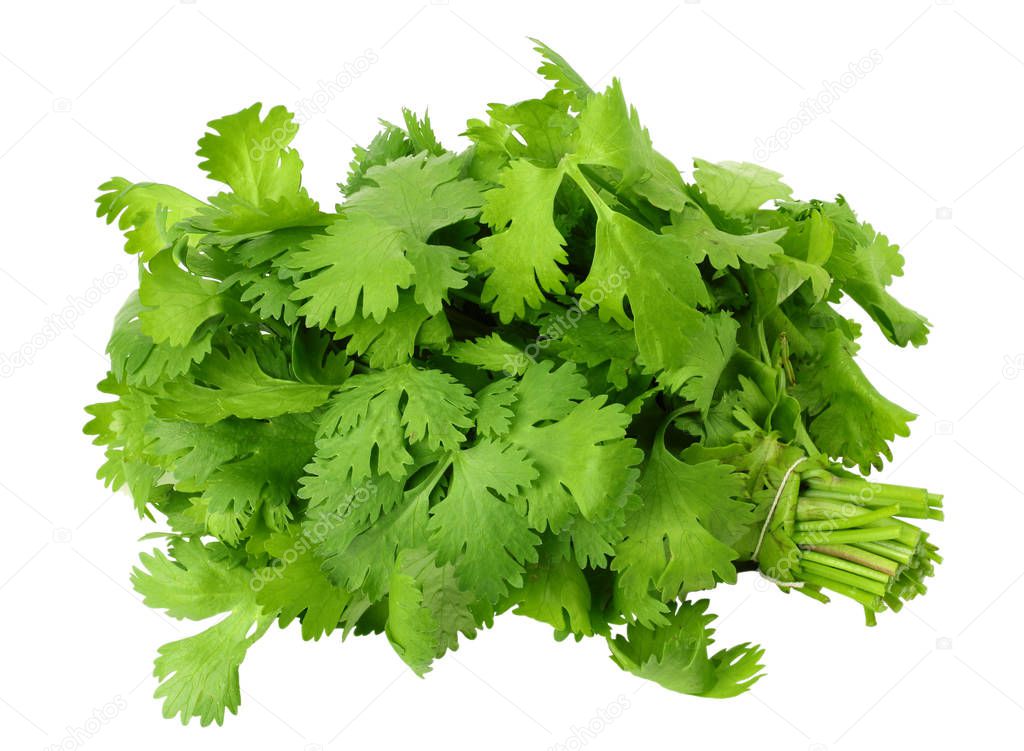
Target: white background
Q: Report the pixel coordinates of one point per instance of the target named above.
(926, 146)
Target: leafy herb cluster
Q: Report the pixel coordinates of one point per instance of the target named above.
(546, 374)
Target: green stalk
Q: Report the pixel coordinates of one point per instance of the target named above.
(831, 531)
(845, 565)
(915, 503)
(892, 550)
(856, 520)
(889, 532)
(855, 554)
(845, 577)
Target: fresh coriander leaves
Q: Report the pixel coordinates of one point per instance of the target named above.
(548, 374)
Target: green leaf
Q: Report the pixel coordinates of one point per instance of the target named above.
(380, 243)
(847, 417)
(360, 550)
(193, 585)
(137, 360)
(792, 272)
(427, 610)
(739, 188)
(295, 586)
(662, 284)
(491, 353)
(177, 302)
(120, 425)
(675, 655)
(555, 68)
(199, 674)
(556, 592)
(706, 351)
(538, 130)
(494, 408)
(524, 253)
(241, 467)
(252, 156)
(263, 481)
(411, 627)
(808, 243)
(233, 383)
(864, 263)
(477, 528)
(372, 421)
(724, 250)
(314, 360)
(146, 212)
(679, 539)
(268, 291)
(394, 340)
(585, 462)
(393, 142)
(610, 134)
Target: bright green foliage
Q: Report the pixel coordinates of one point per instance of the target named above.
(863, 263)
(586, 464)
(379, 244)
(146, 212)
(252, 157)
(524, 259)
(427, 609)
(678, 541)
(199, 674)
(374, 417)
(848, 417)
(547, 374)
(234, 384)
(709, 349)
(137, 360)
(676, 655)
(610, 134)
(738, 188)
(301, 589)
(723, 249)
(475, 526)
(490, 353)
(556, 592)
(176, 301)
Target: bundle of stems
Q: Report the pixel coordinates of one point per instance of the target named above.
(849, 535)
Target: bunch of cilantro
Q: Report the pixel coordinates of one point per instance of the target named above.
(546, 374)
